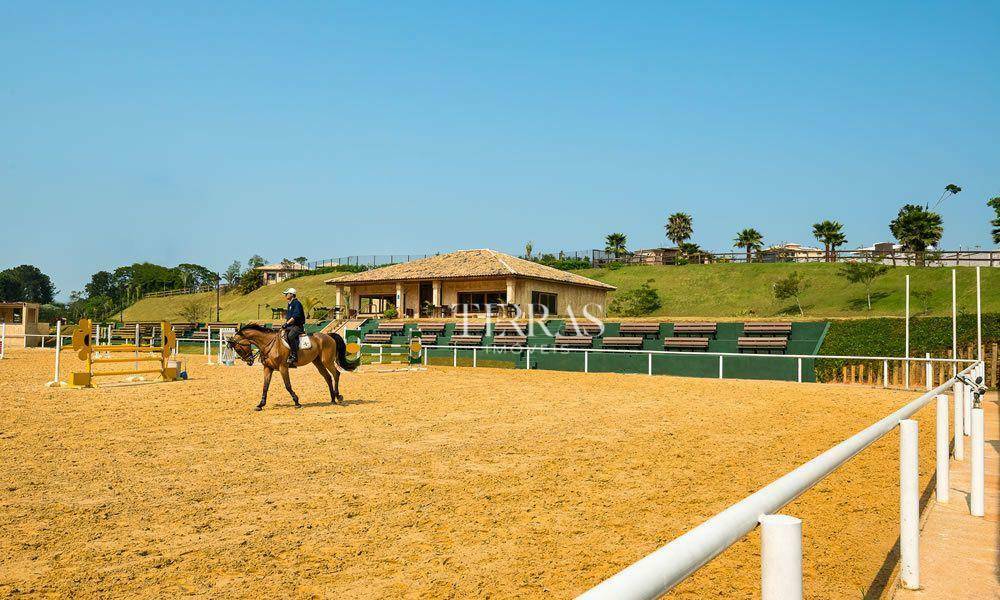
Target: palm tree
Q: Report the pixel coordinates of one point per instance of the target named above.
(679, 228)
(751, 239)
(917, 228)
(528, 247)
(952, 189)
(615, 244)
(829, 232)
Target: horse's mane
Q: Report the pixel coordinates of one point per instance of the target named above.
(256, 327)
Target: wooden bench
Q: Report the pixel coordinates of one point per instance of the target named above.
(435, 328)
(508, 328)
(510, 340)
(428, 339)
(767, 329)
(390, 328)
(581, 328)
(694, 344)
(467, 340)
(622, 342)
(574, 341)
(639, 329)
(757, 345)
(696, 329)
(183, 329)
(378, 338)
(471, 328)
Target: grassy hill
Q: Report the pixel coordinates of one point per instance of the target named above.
(716, 291)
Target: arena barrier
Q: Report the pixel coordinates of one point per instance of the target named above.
(94, 354)
(224, 355)
(781, 535)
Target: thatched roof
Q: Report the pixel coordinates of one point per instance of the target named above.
(467, 264)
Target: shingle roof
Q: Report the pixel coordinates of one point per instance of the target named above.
(465, 264)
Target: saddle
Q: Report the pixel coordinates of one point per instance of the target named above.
(305, 342)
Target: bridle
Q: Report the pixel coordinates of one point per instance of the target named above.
(248, 355)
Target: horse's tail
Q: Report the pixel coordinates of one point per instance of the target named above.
(342, 361)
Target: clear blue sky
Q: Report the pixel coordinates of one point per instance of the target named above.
(203, 132)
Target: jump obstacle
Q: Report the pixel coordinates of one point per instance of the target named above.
(94, 353)
(405, 357)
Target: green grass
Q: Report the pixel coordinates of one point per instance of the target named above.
(740, 290)
(716, 291)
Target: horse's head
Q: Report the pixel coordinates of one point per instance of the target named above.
(242, 347)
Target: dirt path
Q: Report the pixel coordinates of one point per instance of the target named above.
(451, 483)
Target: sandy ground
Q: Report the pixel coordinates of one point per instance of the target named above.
(449, 483)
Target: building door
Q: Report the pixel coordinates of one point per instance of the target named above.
(426, 298)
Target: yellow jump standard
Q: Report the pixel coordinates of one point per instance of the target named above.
(85, 348)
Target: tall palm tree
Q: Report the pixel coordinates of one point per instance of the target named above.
(831, 234)
(615, 244)
(952, 189)
(749, 238)
(679, 228)
(917, 228)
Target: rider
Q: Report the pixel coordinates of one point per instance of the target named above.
(293, 326)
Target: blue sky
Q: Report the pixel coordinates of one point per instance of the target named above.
(204, 132)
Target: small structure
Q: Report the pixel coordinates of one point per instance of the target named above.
(471, 281)
(278, 272)
(655, 256)
(789, 252)
(22, 329)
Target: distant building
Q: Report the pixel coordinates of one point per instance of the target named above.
(278, 272)
(21, 321)
(655, 256)
(789, 252)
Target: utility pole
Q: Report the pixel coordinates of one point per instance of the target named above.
(218, 317)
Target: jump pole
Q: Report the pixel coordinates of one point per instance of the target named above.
(959, 398)
(979, 316)
(954, 326)
(3, 339)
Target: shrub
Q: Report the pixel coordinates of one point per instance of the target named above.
(390, 313)
(637, 302)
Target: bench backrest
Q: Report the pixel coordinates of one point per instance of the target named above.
(390, 327)
(466, 340)
(574, 340)
(762, 342)
(631, 342)
(696, 327)
(639, 328)
(685, 342)
(431, 327)
(580, 328)
(510, 328)
(781, 328)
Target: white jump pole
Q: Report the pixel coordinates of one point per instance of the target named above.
(941, 437)
(885, 373)
(720, 366)
(967, 408)
(954, 326)
(909, 506)
(959, 396)
(780, 557)
(976, 504)
(929, 373)
(3, 339)
(906, 353)
(55, 376)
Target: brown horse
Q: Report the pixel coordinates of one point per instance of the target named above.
(328, 354)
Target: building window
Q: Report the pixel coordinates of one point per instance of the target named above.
(546, 299)
(476, 302)
(376, 303)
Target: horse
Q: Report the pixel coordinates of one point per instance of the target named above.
(328, 353)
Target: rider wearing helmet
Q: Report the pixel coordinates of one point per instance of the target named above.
(296, 320)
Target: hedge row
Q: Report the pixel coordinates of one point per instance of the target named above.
(886, 337)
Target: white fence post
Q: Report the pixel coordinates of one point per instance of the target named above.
(586, 362)
(720, 366)
(454, 357)
(978, 473)
(780, 557)
(55, 376)
(527, 360)
(909, 506)
(967, 408)
(929, 374)
(959, 398)
(649, 363)
(885, 373)
(799, 370)
(941, 436)
(474, 358)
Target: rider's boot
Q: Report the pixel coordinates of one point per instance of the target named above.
(292, 359)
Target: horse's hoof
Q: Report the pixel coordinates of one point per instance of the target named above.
(297, 405)
(258, 408)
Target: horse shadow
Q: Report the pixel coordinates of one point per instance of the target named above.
(327, 403)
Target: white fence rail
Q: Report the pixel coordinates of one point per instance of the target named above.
(659, 572)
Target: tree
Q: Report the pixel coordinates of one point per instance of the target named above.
(916, 228)
(193, 309)
(232, 273)
(528, 248)
(308, 304)
(831, 235)
(951, 189)
(636, 302)
(27, 283)
(994, 203)
(751, 239)
(301, 260)
(864, 273)
(792, 286)
(256, 261)
(615, 244)
(679, 228)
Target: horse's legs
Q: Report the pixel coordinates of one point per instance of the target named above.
(267, 382)
(336, 384)
(326, 375)
(283, 369)
(330, 362)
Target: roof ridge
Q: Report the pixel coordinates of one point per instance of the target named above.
(500, 259)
